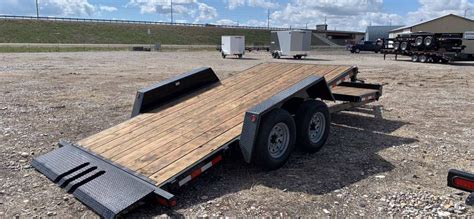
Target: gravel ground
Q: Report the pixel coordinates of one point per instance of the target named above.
(370, 166)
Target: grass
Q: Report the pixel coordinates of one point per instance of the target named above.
(20, 49)
(32, 31)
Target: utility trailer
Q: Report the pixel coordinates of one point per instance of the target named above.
(233, 45)
(433, 47)
(296, 43)
(181, 127)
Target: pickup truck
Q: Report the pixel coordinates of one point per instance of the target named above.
(366, 46)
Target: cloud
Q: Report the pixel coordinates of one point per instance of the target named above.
(54, 7)
(193, 9)
(107, 8)
(226, 22)
(435, 8)
(268, 4)
(206, 12)
(340, 14)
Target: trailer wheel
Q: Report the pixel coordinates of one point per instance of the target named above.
(240, 56)
(428, 41)
(419, 41)
(423, 59)
(312, 125)
(435, 59)
(276, 139)
(414, 58)
(223, 55)
(404, 46)
(357, 50)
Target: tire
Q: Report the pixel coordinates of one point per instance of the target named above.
(423, 58)
(276, 139)
(295, 57)
(240, 56)
(419, 41)
(414, 58)
(357, 50)
(428, 41)
(396, 46)
(404, 46)
(435, 59)
(223, 55)
(309, 137)
(277, 55)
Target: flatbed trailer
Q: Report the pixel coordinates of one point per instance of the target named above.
(181, 127)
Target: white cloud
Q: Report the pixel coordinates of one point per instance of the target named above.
(194, 9)
(107, 8)
(206, 12)
(435, 8)
(54, 7)
(226, 22)
(268, 4)
(340, 14)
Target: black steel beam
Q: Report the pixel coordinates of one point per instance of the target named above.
(159, 94)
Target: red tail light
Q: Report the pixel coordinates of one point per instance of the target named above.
(462, 183)
(461, 180)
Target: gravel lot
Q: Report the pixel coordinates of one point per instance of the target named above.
(370, 166)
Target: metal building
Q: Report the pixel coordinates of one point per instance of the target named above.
(450, 23)
(374, 33)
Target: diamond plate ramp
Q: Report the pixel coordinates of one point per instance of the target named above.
(101, 185)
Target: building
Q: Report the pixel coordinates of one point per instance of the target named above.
(324, 37)
(374, 33)
(450, 23)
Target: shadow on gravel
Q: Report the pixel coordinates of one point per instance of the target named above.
(350, 155)
(243, 58)
(306, 59)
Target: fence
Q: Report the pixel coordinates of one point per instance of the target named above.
(16, 17)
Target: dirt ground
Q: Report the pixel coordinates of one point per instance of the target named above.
(369, 167)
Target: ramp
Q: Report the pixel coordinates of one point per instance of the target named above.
(143, 156)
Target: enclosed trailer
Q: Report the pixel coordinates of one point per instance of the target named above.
(184, 126)
(233, 45)
(294, 43)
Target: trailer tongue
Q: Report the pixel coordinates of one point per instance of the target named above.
(181, 127)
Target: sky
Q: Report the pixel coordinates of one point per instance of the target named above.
(354, 15)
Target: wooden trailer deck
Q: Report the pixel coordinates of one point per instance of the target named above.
(162, 143)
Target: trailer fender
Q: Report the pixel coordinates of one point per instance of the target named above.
(161, 93)
(310, 87)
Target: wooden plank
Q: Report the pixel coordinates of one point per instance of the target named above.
(186, 106)
(198, 124)
(140, 118)
(158, 149)
(167, 122)
(181, 164)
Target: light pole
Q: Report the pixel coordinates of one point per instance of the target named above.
(268, 18)
(37, 10)
(171, 1)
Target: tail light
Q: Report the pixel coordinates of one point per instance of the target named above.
(461, 180)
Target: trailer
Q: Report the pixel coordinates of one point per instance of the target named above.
(233, 45)
(433, 47)
(294, 43)
(182, 127)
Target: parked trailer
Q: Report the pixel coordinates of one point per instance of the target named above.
(434, 47)
(233, 45)
(294, 43)
(181, 127)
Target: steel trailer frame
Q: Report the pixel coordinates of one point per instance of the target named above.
(111, 189)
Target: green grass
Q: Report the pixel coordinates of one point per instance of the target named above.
(19, 49)
(31, 31)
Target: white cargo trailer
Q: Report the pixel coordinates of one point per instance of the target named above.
(233, 45)
(294, 43)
